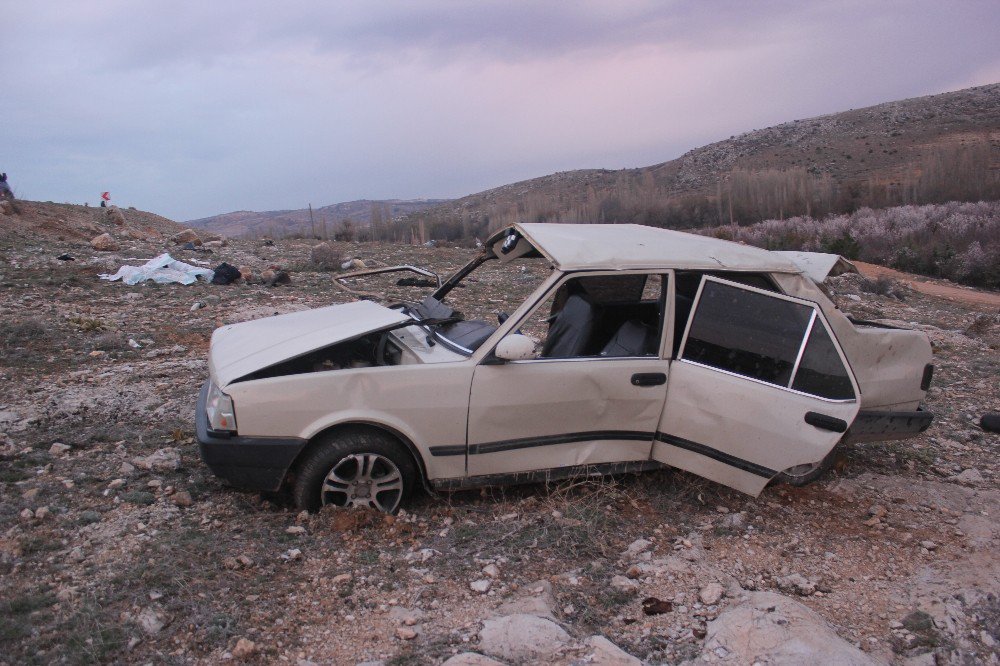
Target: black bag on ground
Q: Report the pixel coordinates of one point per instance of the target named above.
(225, 274)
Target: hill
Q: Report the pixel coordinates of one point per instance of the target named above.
(37, 221)
(323, 223)
(922, 150)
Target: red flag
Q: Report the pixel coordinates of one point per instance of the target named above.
(106, 196)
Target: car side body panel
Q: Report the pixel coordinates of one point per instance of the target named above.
(887, 362)
(425, 403)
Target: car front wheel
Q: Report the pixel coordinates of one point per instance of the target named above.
(356, 468)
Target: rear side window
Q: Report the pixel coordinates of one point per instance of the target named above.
(768, 338)
(821, 371)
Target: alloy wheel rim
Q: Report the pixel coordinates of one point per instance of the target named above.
(364, 479)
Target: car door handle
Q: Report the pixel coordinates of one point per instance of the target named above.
(826, 422)
(649, 378)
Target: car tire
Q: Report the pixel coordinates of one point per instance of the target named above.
(355, 468)
(802, 475)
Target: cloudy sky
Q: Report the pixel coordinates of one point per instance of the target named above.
(190, 109)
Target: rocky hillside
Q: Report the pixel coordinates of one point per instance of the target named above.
(281, 223)
(117, 545)
(68, 225)
(921, 150)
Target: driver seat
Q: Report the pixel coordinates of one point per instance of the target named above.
(570, 332)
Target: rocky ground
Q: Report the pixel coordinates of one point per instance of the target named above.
(117, 544)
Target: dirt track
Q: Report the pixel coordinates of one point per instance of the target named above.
(930, 286)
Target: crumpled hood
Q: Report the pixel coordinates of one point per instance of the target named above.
(240, 349)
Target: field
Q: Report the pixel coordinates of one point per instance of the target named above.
(118, 545)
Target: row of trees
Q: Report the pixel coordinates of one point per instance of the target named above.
(956, 240)
(956, 172)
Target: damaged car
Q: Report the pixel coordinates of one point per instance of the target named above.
(626, 348)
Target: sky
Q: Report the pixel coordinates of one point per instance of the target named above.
(191, 109)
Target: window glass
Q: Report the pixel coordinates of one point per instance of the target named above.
(747, 333)
(821, 372)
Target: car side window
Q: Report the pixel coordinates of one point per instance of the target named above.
(600, 316)
(766, 338)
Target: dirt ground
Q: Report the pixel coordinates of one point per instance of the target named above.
(118, 545)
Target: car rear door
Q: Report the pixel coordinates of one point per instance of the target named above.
(760, 385)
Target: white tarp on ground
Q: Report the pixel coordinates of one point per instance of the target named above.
(161, 269)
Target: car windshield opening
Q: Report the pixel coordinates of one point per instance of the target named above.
(469, 309)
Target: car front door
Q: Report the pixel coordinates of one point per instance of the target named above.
(595, 393)
(760, 386)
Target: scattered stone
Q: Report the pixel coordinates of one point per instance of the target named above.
(711, 594)
(27, 515)
(244, 649)
(150, 621)
(796, 583)
(406, 633)
(654, 606)
(521, 637)
(163, 460)
(275, 277)
(341, 578)
(481, 586)
(605, 653)
(182, 498)
(104, 243)
(624, 584)
(636, 547)
(187, 236)
(295, 529)
(491, 570)
(42, 512)
(291, 555)
(535, 599)
(116, 216)
(928, 544)
(970, 476)
(58, 449)
(771, 628)
(246, 273)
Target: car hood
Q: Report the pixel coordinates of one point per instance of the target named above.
(240, 349)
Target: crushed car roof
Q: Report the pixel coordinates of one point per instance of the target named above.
(633, 246)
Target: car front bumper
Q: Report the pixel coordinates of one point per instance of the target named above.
(254, 463)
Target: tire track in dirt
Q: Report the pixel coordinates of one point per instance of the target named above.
(931, 287)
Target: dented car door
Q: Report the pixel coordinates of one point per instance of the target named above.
(590, 398)
(760, 386)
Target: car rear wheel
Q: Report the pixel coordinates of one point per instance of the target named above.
(355, 468)
(802, 475)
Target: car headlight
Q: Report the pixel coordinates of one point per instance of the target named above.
(220, 411)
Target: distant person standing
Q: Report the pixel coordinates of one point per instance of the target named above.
(6, 194)
(105, 198)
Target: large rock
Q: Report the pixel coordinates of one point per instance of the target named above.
(775, 629)
(116, 216)
(187, 236)
(605, 653)
(535, 599)
(521, 637)
(104, 243)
